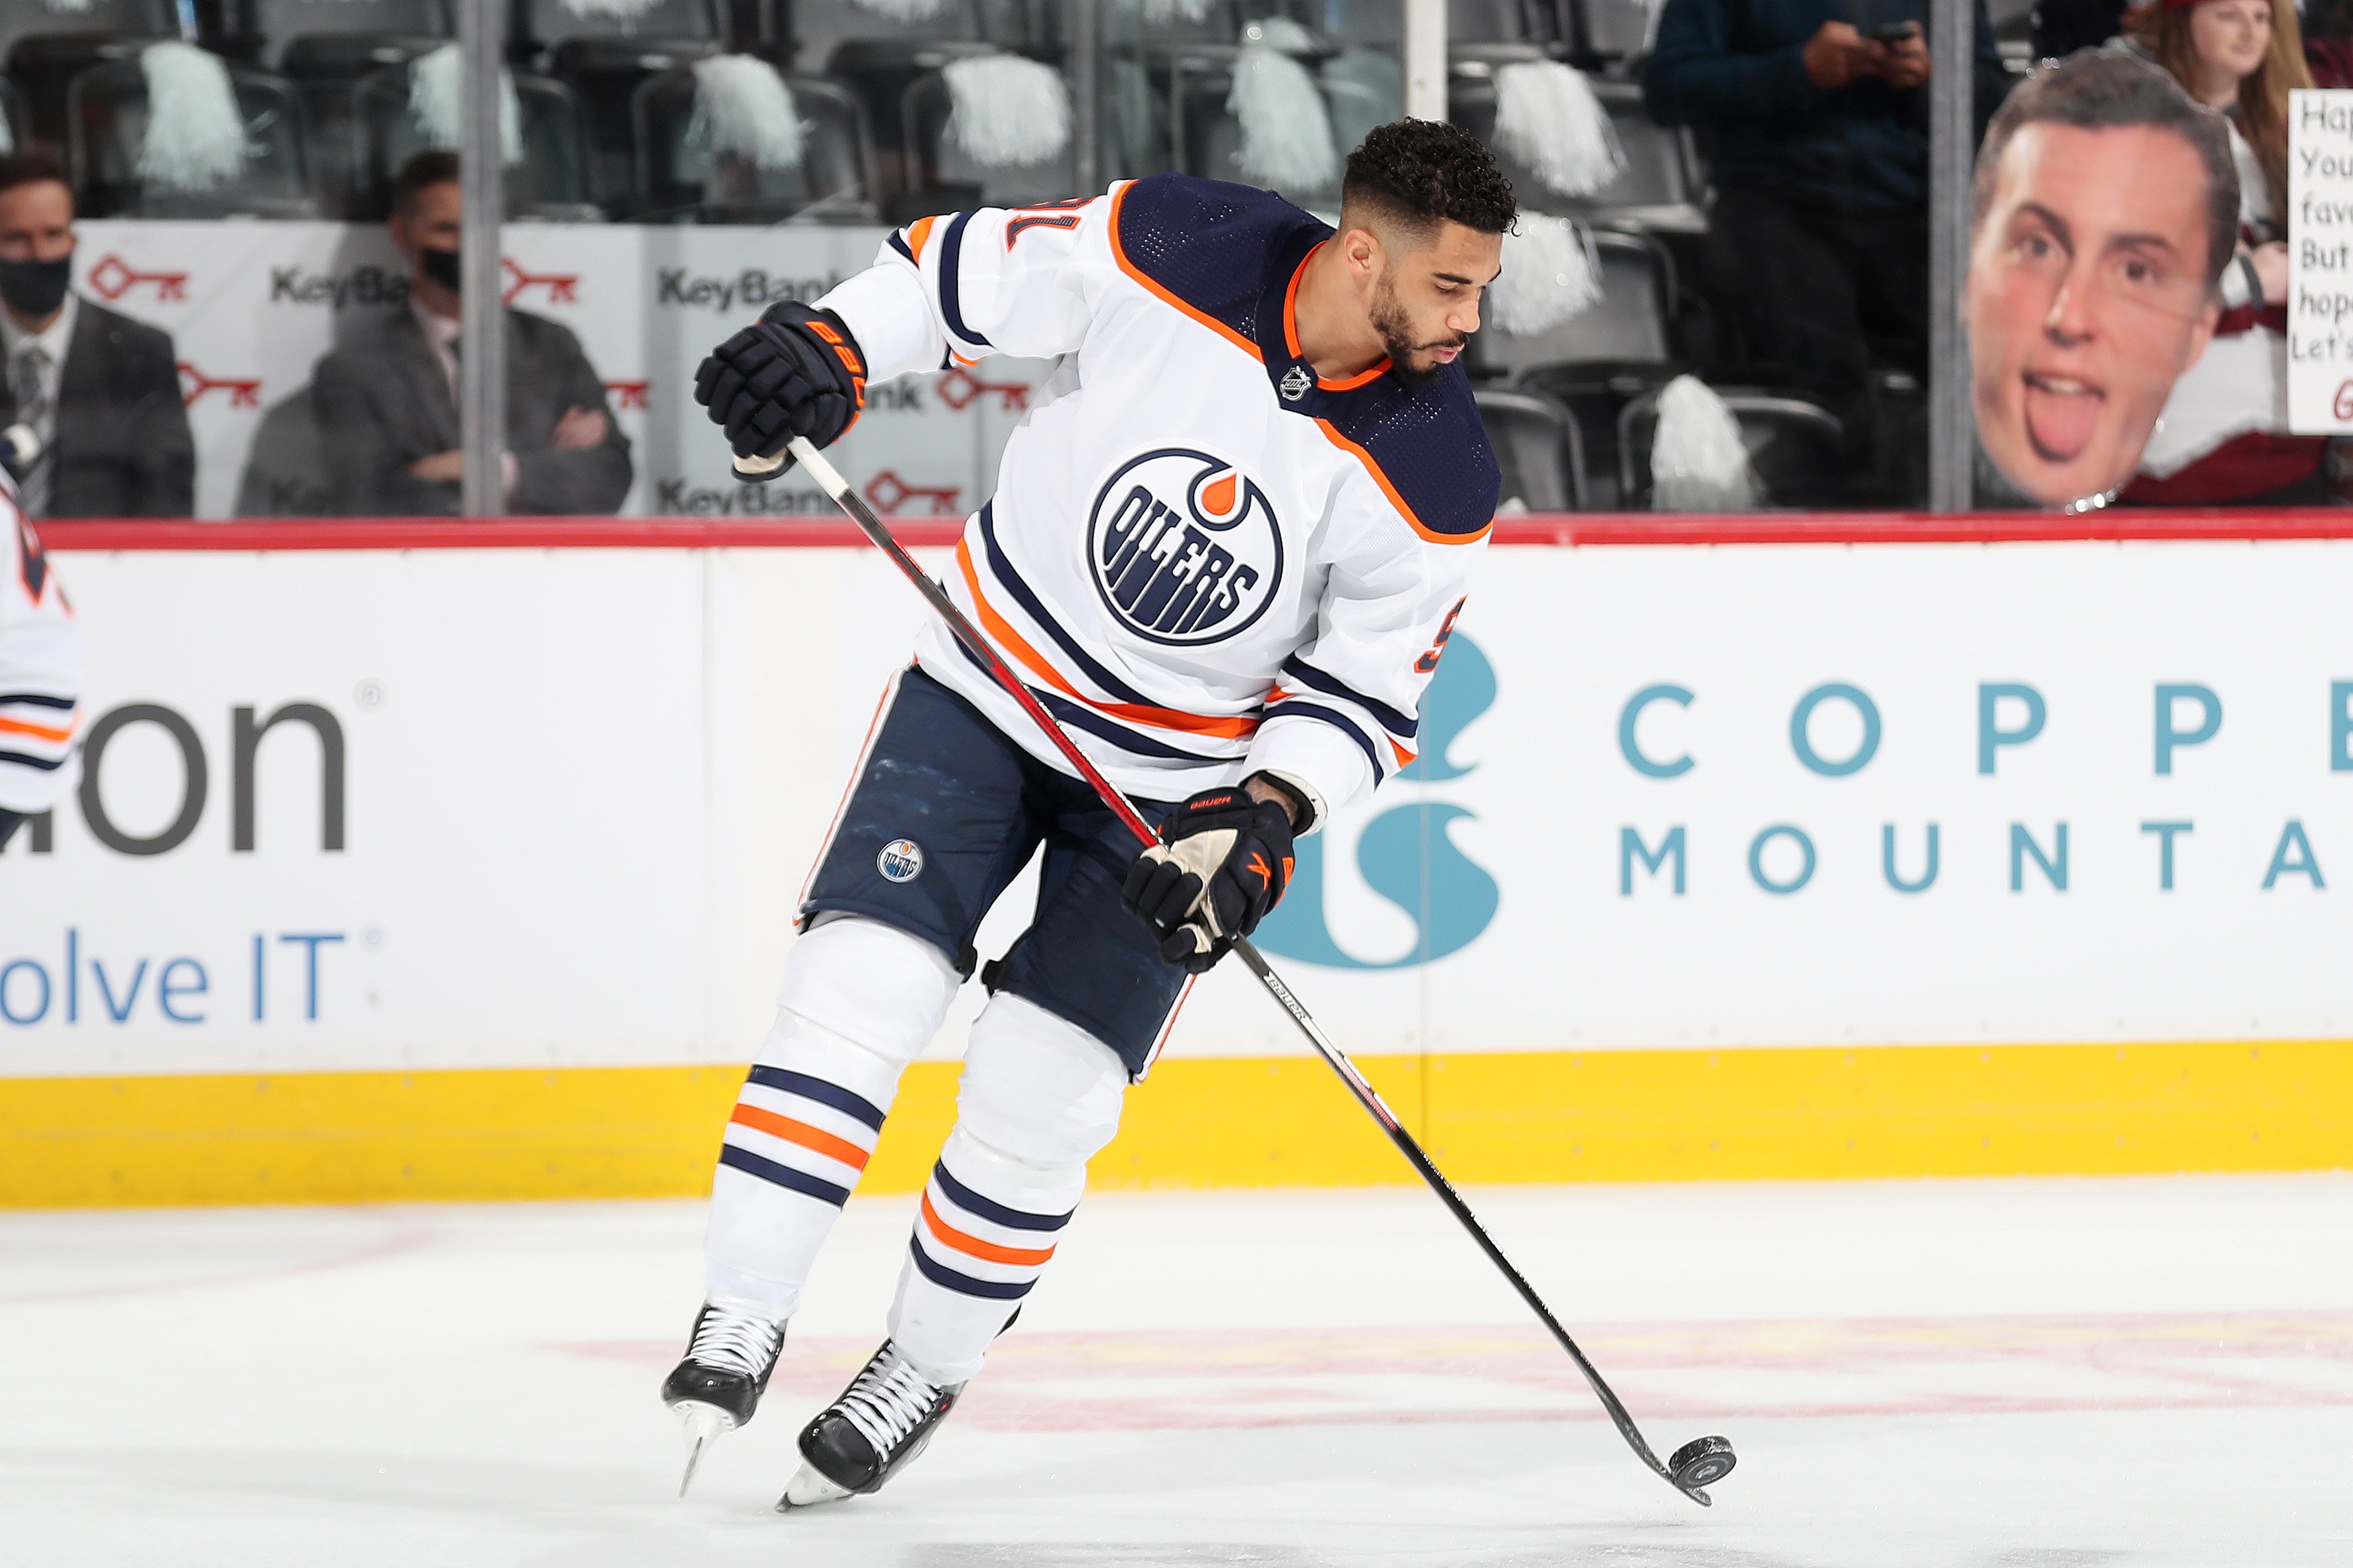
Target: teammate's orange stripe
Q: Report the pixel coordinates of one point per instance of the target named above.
(1404, 757)
(802, 1133)
(1291, 329)
(1119, 254)
(1332, 434)
(918, 232)
(987, 1251)
(39, 732)
(1159, 718)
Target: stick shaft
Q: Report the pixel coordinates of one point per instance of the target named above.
(859, 513)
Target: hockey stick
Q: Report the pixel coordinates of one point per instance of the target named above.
(1691, 1467)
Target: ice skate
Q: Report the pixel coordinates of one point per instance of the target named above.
(718, 1386)
(881, 1421)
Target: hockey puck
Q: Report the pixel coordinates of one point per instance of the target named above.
(1701, 1462)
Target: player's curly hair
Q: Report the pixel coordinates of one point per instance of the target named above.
(1421, 172)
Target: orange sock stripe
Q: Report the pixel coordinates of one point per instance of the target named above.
(987, 1251)
(812, 1138)
(39, 732)
(1018, 645)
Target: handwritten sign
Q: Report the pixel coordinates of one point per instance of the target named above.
(2320, 262)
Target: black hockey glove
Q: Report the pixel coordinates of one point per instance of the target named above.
(1226, 863)
(794, 372)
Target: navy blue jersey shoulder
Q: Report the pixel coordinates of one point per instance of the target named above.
(1211, 243)
(1432, 447)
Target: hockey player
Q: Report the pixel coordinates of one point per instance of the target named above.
(40, 674)
(1226, 549)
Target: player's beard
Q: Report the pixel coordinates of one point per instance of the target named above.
(1395, 329)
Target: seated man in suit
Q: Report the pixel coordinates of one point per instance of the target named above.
(388, 400)
(101, 390)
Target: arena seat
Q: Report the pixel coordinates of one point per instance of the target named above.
(1796, 448)
(1661, 187)
(550, 183)
(1622, 346)
(1613, 33)
(1537, 446)
(45, 47)
(604, 58)
(106, 111)
(881, 61)
(935, 162)
(679, 183)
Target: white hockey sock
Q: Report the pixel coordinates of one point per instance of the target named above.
(1038, 1098)
(860, 1002)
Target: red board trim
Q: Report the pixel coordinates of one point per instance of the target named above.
(1578, 529)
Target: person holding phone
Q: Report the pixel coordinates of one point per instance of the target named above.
(1817, 112)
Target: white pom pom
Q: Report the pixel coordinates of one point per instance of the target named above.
(1547, 118)
(743, 110)
(68, 8)
(1286, 131)
(1006, 108)
(196, 133)
(1165, 13)
(1698, 462)
(904, 12)
(1550, 275)
(1280, 32)
(437, 102)
(619, 10)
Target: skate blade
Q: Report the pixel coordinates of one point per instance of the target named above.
(701, 1425)
(808, 1488)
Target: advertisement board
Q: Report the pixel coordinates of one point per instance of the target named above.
(509, 808)
(252, 307)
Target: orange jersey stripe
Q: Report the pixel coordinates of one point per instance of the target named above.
(39, 732)
(800, 1133)
(987, 1251)
(1291, 329)
(1332, 433)
(917, 233)
(1119, 254)
(1159, 718)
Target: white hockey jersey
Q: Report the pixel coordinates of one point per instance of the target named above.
(40, 671)
(1204, 560)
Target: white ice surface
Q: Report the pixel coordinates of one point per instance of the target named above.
(1980, 1375)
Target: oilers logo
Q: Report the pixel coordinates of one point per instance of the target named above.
(901, 860)
(1183, 548)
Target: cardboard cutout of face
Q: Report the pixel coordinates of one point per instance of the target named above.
(2086, 297)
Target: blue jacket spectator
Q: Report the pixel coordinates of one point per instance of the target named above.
(1738, 69)
(1815, 113)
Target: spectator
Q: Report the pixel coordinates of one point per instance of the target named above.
(1819, 237)
(101, 390)
(388, 400)
(2224, 435)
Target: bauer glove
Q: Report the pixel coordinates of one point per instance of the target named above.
(794, 372)
(1226, 863)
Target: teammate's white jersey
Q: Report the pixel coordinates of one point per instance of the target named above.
(40, 671)
(1204, 560)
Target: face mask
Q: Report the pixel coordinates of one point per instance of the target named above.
(36, 287)
(441, 266)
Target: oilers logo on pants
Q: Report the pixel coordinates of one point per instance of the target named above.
(1185, 549)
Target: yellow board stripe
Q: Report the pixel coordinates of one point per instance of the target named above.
(1246, 1123)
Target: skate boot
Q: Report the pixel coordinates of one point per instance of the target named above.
(863, 1439)
(718, 1385)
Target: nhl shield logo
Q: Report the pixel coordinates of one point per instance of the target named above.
(1184, 549)
(901, 860)
(1295, 383)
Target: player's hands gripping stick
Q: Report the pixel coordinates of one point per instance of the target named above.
(794, 372)
(1226, 863)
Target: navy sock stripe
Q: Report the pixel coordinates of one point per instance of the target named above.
(827, 1094)
(965, 1284)
(752, 1164)
(964, 1198)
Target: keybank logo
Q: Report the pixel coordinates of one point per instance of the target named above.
(1407, 854)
